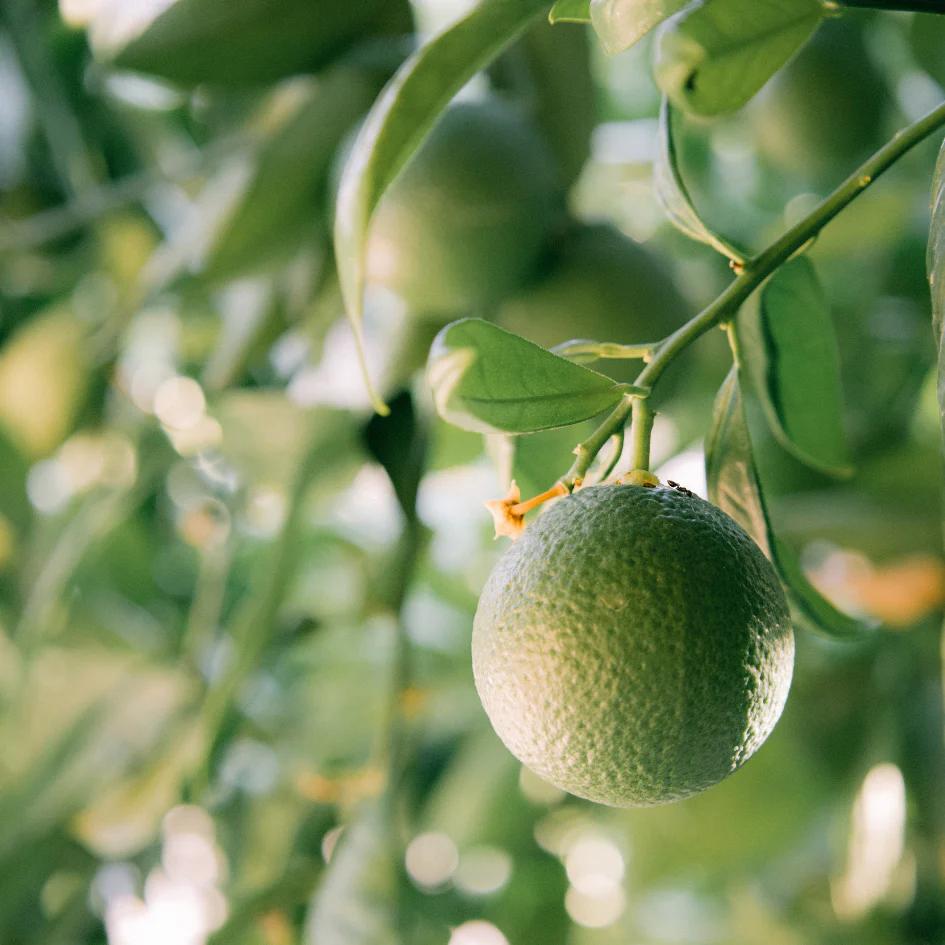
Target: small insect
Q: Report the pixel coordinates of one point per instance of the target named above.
(679, 488)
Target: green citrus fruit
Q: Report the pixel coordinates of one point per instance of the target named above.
(600, 285)
(825, 111)
(634, 646)
(465, 221)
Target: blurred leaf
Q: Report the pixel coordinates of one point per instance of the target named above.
(76, 719)
(714, 57)
(125, 816)
(787, 345)
(398, 443)
(398, 122)
(564, 97)
(261, 437)
(622, 23)
(291, 888)
(936, 267)
(673, 195)
(357, 899)
(927, 37)
(44, 378)
(222, 43)
(488, 380)
(570, 11)
(284, 188)
(735, 488)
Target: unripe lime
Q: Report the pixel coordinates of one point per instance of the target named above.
(634, 646)
(824, 111)
(600, 285)
(465, 221)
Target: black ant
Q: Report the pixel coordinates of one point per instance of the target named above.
(679, 488)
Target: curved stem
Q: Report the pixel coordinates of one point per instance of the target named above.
(755, 271)
(589, 448)
(616, 452)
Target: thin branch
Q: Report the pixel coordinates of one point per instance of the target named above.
(755, 272)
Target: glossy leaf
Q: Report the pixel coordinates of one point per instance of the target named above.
(936, 268)
(232, 44)
(622, 23)
(714, 57)
(788, 348)
(399, 121)
(673, 195)
(356, 899)
(488, 380)
(570, 11)
(735, 488)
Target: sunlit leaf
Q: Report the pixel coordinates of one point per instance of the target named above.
(44, 379)
(672, 193)
(621, 23)
(735, 488)
(399, 121)
(356, 901)
(717, 55)
(489, 380)
(80, 718)
(788, 347)
(570, 11)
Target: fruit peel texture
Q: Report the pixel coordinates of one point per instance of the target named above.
(634, 646)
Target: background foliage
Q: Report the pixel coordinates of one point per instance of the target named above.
(235, 606)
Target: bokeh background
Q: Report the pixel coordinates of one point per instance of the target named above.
(234, 608)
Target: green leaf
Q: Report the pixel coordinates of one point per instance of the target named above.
(673, 195)
(621, 23)
(787, 345)
(563, 94)
(284, 191)
(936, 268)
(356, 901)
(398, 442)
(570, 11)
(233, 44)
(714, 57)
(488, 380)
(735, 488)
(398, 123)
(730, 466)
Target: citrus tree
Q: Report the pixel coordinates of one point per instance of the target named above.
(304, 302)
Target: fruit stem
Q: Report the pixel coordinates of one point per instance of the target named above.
(616, 452)
(643, 418)
(521, 508)
(587, 450)
(754, 272)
